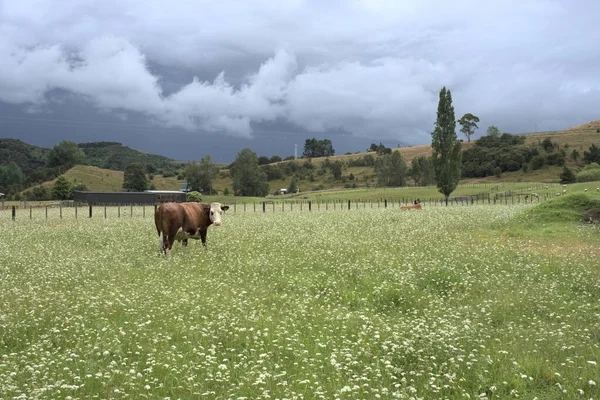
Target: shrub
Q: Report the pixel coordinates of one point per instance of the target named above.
(194, 196)
(567, 176)
(588, 175)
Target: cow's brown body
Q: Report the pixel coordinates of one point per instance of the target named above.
(183, 221)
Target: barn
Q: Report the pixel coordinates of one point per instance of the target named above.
(149, 197)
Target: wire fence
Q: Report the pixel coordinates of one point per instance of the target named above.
(63, 210)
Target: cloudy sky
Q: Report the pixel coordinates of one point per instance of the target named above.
(190, 78)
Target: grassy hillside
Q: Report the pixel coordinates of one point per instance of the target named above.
(115, 156)
(580, 137)
(107, 158)
(98, 179)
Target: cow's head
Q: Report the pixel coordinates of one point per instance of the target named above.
(216, 209)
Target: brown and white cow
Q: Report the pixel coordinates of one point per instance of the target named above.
(183, 221)
(415, 205)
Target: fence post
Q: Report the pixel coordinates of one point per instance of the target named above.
(143, 211)
(264, 206)
(104, 212)
(385, 203)
(46, 212)
(60, 210)
(348, 204)
(14, 212)
(118, 211)
(244, 208)
(273, 206)
(309, 206)
(90, 211)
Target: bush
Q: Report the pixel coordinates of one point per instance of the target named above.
(226, 192)
(567, 176)
(588, 175)
(194, 196)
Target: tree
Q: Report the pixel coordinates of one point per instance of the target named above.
(447, 154)
(293, 187)
(391, 170)
(77, 187)
(275, 159)
(422, 171)
(318, 148)
(547, 144)
(575, 155)
(194, 196)
(61, 188)
(134, 179)
(263, 160)
(593, 155)
(380, 149)
(65, 153)
(248, 179)
(493, 131)
(336, 170)
(10, 174)
(567, 176)
(468, 124)
(200, 176)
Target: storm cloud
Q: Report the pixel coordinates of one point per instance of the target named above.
(369, 68)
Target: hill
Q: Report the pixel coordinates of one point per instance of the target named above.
(311, 174)
(27, 156)
(115, 156)
(98, 179)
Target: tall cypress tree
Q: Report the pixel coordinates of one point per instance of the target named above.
(447, 154)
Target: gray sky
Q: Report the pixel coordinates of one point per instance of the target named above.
(190, 78)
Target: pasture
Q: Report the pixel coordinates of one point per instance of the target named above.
(457, 302)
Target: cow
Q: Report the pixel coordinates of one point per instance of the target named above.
(183, 221)
(415, 205)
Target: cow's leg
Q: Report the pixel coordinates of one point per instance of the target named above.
(203, 236)
(161, 243)
(184, 242)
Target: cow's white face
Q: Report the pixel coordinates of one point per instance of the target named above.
(216, 209)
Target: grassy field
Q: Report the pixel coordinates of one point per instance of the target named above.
(460, 302)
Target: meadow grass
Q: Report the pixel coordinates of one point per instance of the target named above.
(367, 303)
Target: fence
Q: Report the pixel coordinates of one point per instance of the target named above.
(75, 210)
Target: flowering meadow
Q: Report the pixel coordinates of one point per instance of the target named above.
(443, 303)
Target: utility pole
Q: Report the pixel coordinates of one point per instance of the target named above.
(295, 152)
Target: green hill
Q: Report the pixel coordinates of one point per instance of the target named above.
(28, 157)
(116, 157)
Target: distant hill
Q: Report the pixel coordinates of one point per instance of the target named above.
(115, 156)
(97, 179)
(107, 155)
(28, 157)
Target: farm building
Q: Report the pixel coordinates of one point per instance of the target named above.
(149, 197)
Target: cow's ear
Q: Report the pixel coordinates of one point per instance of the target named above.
(224, 208)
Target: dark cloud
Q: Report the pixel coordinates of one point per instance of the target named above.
(267, 75)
